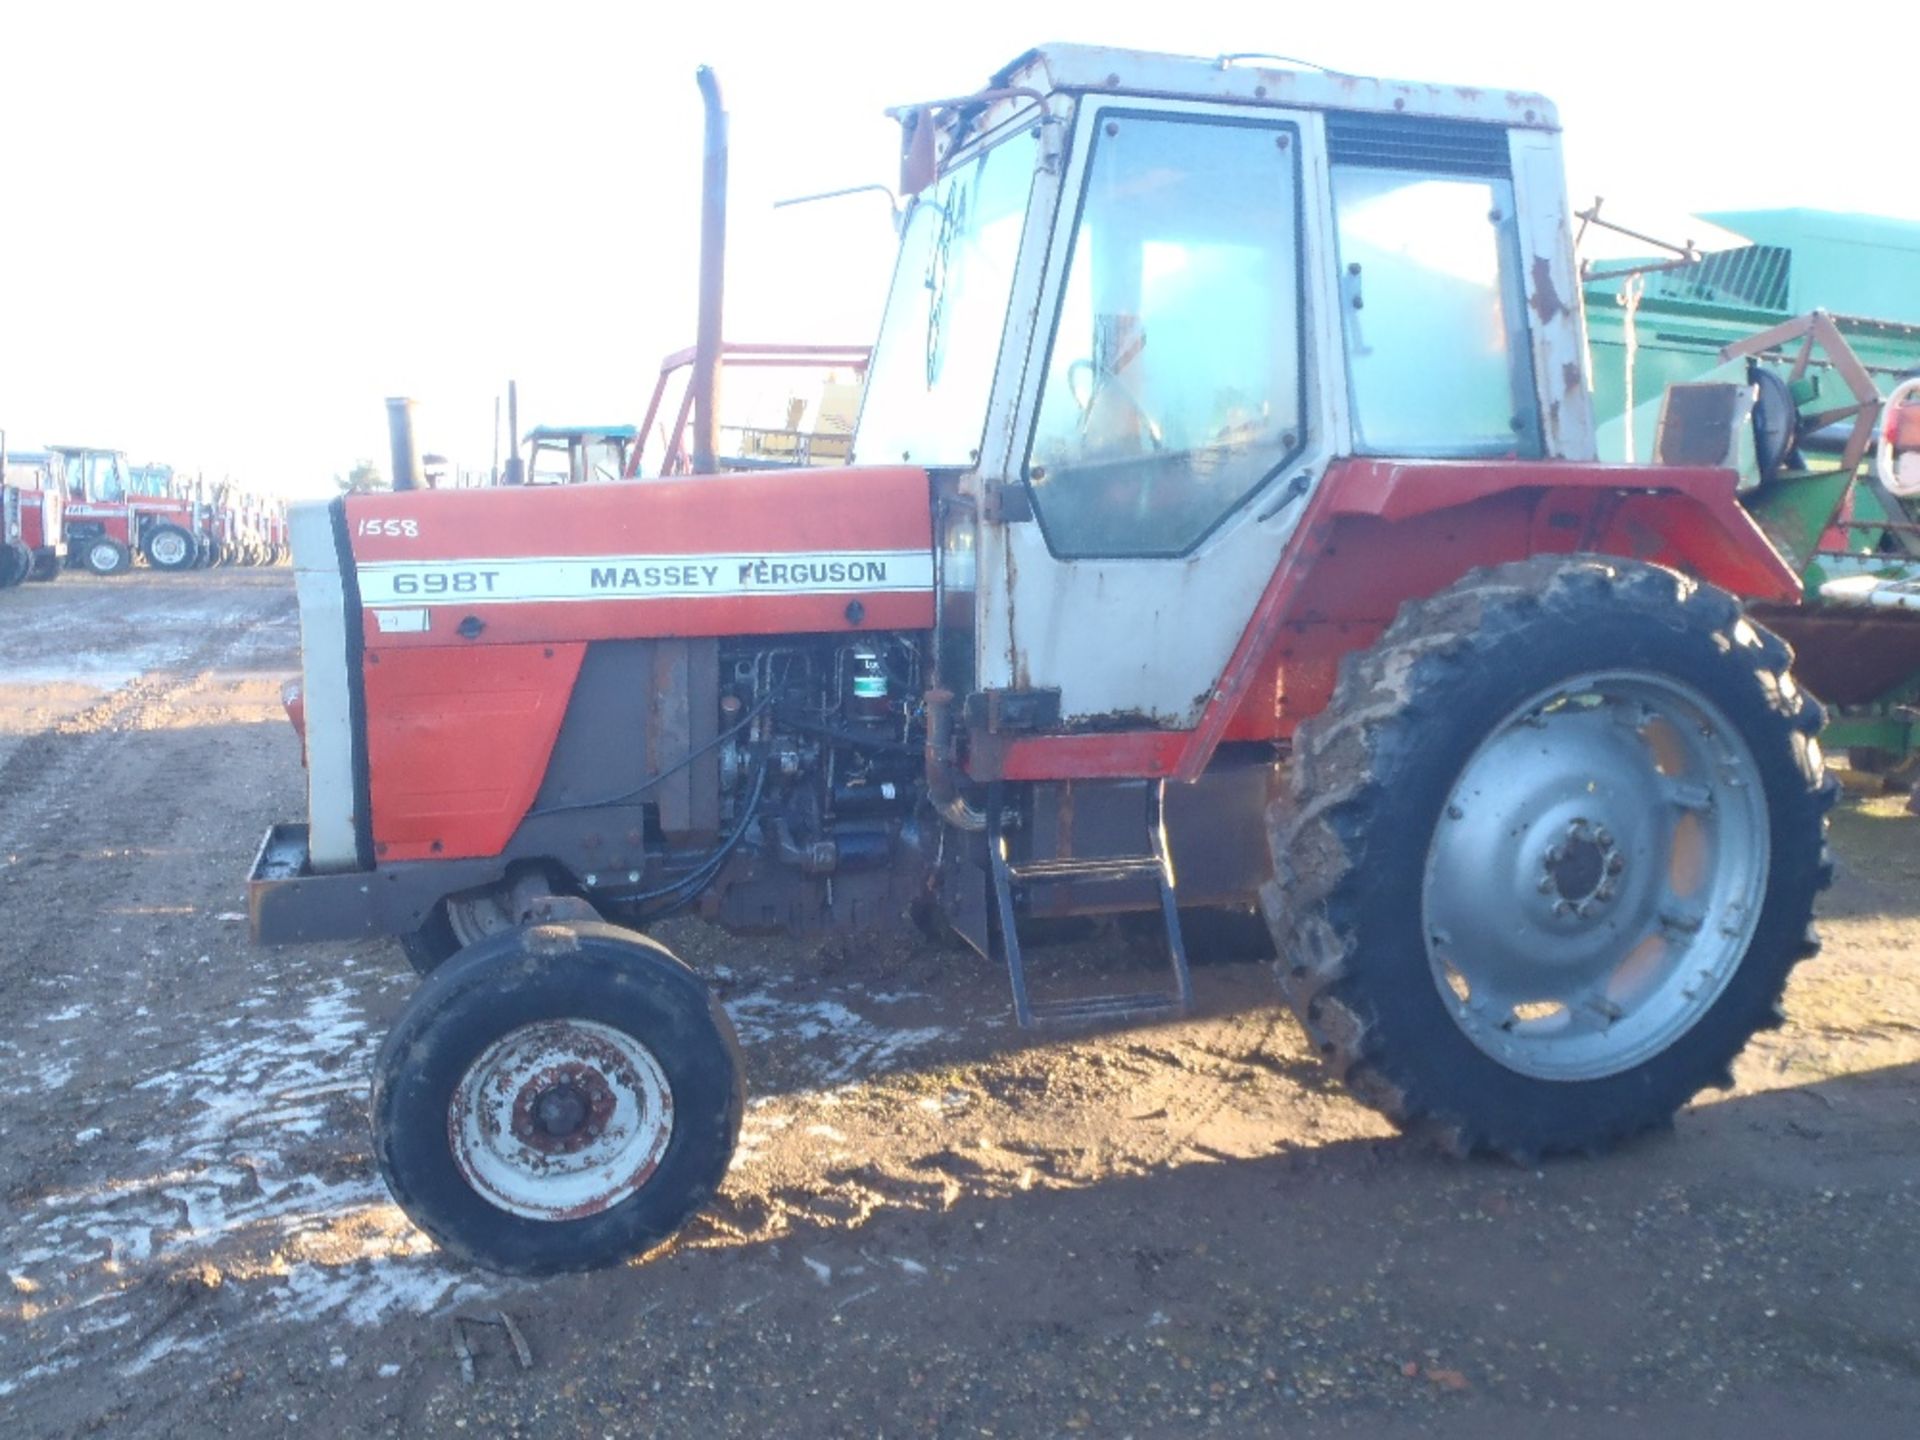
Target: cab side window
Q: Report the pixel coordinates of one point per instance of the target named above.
(1431, 295)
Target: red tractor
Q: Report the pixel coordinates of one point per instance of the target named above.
(116, 511)
(33, 540)
(1222, 529)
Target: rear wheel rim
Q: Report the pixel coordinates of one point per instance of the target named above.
(560, 1119)
(170, 550)
(1595, 875)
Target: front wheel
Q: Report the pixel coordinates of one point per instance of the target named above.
(168, 547)
(1546, 859)
(106, 556)
(46, 566)
(561, 1097)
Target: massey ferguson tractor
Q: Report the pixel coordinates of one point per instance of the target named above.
(33, 541)
(1222, 528)
(117, 511)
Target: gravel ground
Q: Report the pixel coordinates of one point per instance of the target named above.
(935, 1224)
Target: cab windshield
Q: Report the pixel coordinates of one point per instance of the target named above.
(926, 401)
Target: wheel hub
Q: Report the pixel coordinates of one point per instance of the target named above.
(1595, 875)
(1583, 871)
(560, 1119)
(563, 1109)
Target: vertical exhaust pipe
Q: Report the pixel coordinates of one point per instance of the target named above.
(713, 256)
(406, 455)
(516, 471)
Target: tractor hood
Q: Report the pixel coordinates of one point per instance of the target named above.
(767, 552)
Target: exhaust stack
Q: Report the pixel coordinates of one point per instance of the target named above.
(713, 255)
(406, 455)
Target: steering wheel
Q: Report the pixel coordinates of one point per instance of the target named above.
(1098, 379)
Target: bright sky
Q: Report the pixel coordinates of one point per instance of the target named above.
(232, 229)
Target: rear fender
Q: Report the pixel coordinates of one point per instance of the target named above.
(1381, 532)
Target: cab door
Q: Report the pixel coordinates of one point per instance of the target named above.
(1174, 413)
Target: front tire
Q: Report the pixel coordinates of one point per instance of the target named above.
(168, 547)
(46, 566)
(106, 556)
(557, 1098)
(1546, 859)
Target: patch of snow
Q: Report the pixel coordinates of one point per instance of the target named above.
(855, 1046)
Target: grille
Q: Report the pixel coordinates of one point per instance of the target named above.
(1754, 275)
(1393, 142)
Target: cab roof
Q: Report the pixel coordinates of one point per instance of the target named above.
(1264, 80)
(582, 432)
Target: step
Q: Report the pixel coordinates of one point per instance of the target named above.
(1093, 869)
(1105, 1007)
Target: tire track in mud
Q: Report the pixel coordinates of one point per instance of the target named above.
(49, 775)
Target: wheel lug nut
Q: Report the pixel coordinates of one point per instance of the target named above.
(1603, 836)
(1616, 863)
(1546, 884)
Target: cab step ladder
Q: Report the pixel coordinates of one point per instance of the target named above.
(1010, 877)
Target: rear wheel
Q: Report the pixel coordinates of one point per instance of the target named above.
(557, 1098)
(1547, 858)
(168, 547)
(16, 563)
(106, 556)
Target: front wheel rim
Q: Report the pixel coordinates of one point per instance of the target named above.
(1596, 875)
(105, 556)
(560, 1119)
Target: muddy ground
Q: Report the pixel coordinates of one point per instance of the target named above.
(935, 1225)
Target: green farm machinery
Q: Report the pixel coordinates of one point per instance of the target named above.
(1795, 359)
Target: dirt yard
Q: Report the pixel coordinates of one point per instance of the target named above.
(935, 1224)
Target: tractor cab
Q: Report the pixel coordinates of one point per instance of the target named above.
(578, 455)
(1142, 303)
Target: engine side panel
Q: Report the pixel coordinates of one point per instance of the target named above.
(457, 746)
(822, 551)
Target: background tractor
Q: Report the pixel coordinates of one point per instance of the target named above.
(118, 511)
(1223, 527)
(33, 540)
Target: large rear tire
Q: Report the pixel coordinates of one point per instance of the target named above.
(16, 563)
(557, 1098)
(1545, 861)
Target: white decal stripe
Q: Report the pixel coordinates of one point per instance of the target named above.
(534, 579)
